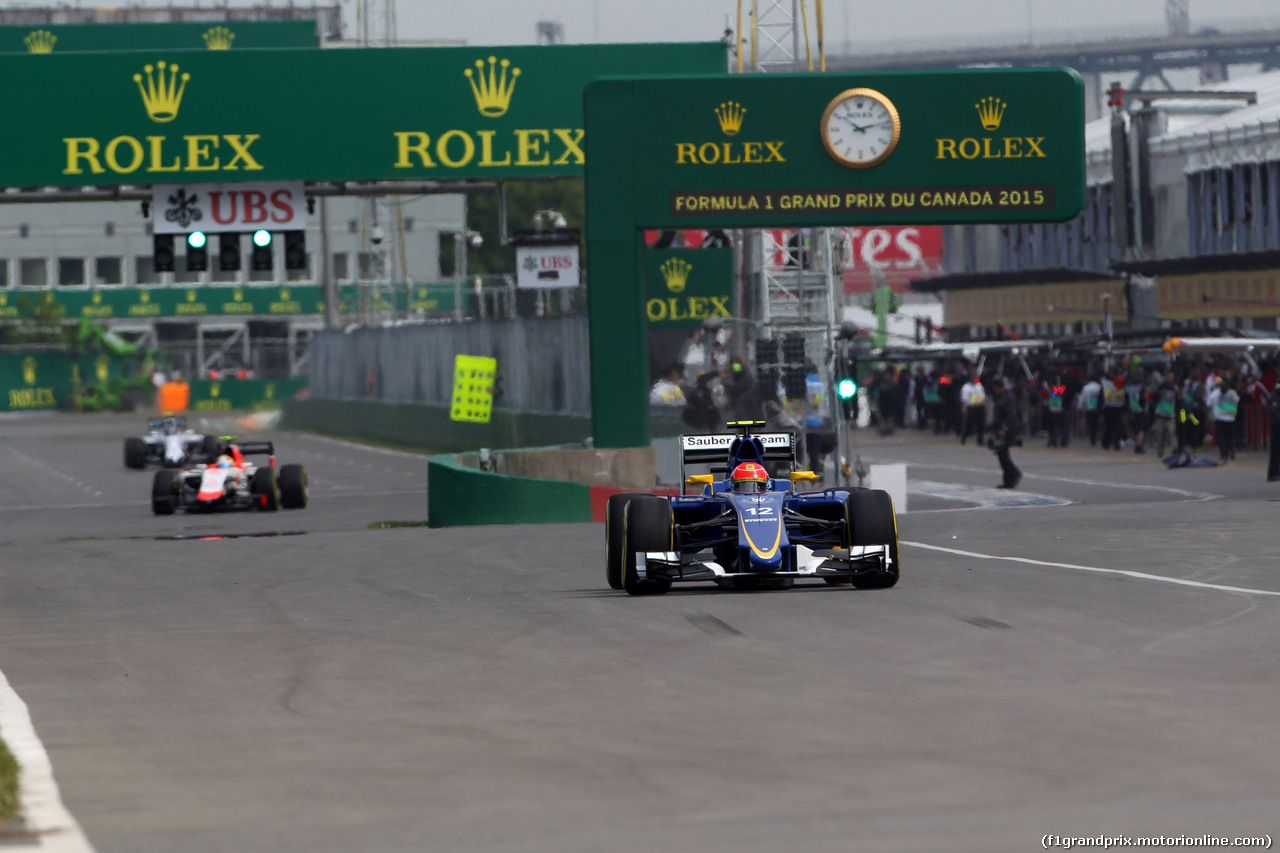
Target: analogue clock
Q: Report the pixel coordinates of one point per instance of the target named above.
(860, 128)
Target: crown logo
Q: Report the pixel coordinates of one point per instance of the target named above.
(675, 272)
(990, 112)
(493, 93)
(215, 389)
(219, 38)
(102, 366)
(40, 41)
(162, 98)
(191, 296)
(97, 297)
(238, 294)
(144, 297)
(29, 370)
(284, 294)
(730, 116)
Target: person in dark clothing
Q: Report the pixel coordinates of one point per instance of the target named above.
(700, 405)
(744, 400)
(1273, 411)
(1005, 431)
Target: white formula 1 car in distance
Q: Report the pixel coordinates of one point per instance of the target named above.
(231, 483)
(169, 443)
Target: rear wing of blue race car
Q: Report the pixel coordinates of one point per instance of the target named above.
(714, 449)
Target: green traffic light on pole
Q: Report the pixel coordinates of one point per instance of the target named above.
(846, 388)
(197, 239)
(262, 238)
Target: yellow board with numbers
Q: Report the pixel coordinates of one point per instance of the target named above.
(473, 388)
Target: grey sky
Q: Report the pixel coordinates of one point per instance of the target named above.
(513, 21)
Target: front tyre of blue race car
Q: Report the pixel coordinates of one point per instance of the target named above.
(647, 526)
(614, 533)
(870, 520)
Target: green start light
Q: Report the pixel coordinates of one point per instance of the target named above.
(197, 239)
(846, 389)
(262, 238)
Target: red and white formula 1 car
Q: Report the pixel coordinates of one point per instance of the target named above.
(231, 483)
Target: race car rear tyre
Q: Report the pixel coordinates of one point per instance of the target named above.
(293, 487)
(135, 452)
(164, 497)
(210, 448)
(647, 526)
(263, 487)
(613, 535)
(871, 520)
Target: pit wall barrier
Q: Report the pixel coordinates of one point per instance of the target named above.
(466, 489)
(422, 426)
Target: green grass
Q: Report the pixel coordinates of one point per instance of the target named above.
(8, 784)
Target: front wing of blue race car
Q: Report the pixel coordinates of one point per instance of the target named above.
(751, 540)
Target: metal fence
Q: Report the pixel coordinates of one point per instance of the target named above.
(542, 362)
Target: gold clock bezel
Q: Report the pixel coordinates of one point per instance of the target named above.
(860, 92)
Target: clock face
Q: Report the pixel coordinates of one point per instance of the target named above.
(860, 128)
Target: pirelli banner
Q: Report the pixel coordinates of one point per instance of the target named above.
(1067, 302)
(1245, 293)
(173, 116)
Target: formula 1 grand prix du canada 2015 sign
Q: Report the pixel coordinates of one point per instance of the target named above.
(849, 149)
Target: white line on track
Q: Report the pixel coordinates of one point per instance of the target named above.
(1127, 573)
(42, 809)
(1186, 493)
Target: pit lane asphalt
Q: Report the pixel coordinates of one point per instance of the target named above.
(481, 689)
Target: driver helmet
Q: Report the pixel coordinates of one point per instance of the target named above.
(170, 426)
(750, 477)
(224, 461)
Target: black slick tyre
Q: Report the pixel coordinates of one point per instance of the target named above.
(647, 526)
(164, 492)
(135, 452)
(263, 486)
(210, 448)
(293, 487)
(871, 520)
(613, 536)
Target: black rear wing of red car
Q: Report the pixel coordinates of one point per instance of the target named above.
(255, 448)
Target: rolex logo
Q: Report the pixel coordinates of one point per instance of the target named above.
(219, 38)
(29, 370)
(493, 93)
(730, 116)
(675, 272)
(40, 41)
(990, 112)
(161, 97)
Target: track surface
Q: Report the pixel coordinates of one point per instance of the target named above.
(481, 689)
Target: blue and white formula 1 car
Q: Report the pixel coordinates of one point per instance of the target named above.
(169, 443)
(747, 529)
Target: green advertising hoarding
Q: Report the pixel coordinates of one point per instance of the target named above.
(114, 303)
(805, 150)
(183, 35)
(684, 287)
(160, 116)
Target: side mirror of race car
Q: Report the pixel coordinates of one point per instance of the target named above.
(797, 476)
(700, 480)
